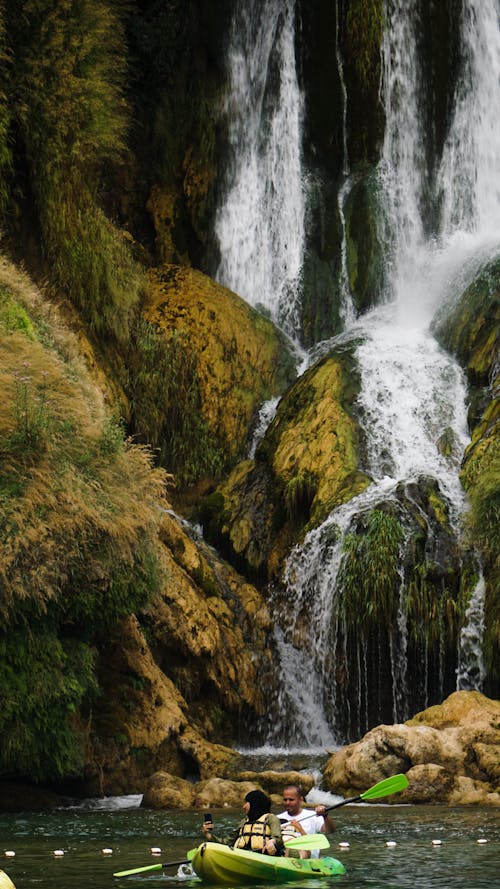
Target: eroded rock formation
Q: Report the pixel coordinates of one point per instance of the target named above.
(450, 753)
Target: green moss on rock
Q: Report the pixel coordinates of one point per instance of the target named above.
(238, 360)
(471, 330)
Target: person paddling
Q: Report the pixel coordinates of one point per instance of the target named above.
(260, 830)
(296, 820)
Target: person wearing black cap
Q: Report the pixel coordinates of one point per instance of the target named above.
(260, 831)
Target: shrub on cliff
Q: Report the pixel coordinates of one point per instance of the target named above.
(79, 514)
(66, 75)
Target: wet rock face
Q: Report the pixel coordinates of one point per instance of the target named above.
(191, 667)
(471, 330)
(449, 753)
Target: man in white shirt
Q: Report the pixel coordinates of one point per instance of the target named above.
(298, 821)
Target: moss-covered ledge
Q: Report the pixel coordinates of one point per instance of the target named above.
(306, 464)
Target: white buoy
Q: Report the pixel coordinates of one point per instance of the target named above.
(481, 841)
(107, 851)
(155, 850)
(343, 845)
(437, 842)
(390, 844)
(58, 853)
(10, 853)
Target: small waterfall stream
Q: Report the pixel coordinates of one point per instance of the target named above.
(260, 221)
(412, 393)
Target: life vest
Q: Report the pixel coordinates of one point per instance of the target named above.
(253, 835)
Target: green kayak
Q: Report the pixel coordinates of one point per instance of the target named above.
(221, 865)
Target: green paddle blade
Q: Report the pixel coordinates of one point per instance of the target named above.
(394, 784)
(308, 841)
(138, 870)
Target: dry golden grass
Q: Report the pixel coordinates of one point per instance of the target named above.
(77, 502)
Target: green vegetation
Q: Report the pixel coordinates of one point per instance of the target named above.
(43, 680)
(66, 92)
(364, 29)
(300, 492)
(79, 518)
(166, 404)
(481, 479)
(369, 577)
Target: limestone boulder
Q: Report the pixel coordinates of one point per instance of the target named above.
(164, 791)
(218, 792)
(449, 752)
(273, 782)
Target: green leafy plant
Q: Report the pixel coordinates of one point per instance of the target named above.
(369, 577)
(43, 680)
(166, 404)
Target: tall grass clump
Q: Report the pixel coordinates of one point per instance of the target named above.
(5, 150)
(369, 574)
(166, 404)
(80, 510)
(66, 89)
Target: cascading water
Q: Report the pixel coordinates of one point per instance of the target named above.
(260, 220)
(412, 394)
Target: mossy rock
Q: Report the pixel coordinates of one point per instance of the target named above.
(471, 330)
(306, 465)
(365, 261)
(361, 42)
(240, 357)
(321, 303)
(315, 439)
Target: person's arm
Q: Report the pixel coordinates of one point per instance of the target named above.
(211, 837)
(328, 825)
(274, 845)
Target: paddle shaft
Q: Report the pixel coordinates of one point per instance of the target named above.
(141, 870)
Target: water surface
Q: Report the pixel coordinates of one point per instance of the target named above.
(459, 861)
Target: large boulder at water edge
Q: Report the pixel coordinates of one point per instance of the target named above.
(219, 360)
(168, 791)
(450, 753)
(471, 330)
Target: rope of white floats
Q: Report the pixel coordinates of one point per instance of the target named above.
(156, 850)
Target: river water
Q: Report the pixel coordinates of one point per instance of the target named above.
(459, 862)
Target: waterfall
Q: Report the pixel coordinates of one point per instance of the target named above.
(469, 176)
(260, 219)
(470, 672)
(412, 393)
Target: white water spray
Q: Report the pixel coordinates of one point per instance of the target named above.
(260, 223)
